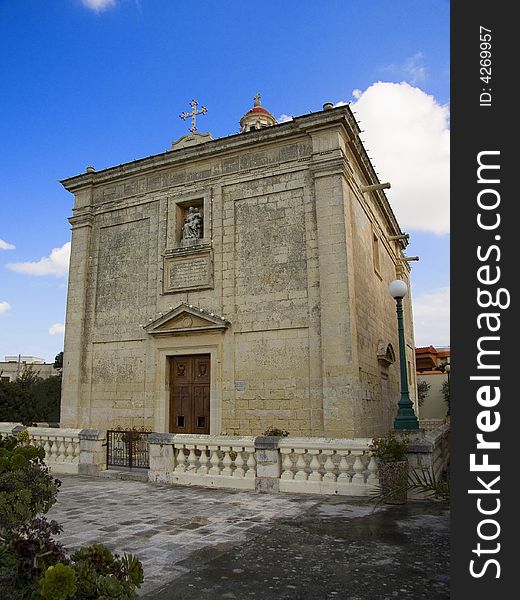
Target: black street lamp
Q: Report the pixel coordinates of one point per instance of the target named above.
(405, 418)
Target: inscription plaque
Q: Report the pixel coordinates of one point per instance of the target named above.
(189, 270)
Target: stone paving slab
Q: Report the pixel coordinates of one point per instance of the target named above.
(198, 543)
(163, 525)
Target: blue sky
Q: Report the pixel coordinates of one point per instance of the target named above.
(102, 82)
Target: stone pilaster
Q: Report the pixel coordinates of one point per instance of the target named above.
(162, 457)
(92, 451)
(72, 414)
(268, 464)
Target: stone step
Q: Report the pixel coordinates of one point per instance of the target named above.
(127, 474)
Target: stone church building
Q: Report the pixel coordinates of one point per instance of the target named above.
(228, 285)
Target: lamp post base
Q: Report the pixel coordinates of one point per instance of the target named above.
(406, 422)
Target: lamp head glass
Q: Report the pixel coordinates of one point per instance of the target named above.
(398, 288)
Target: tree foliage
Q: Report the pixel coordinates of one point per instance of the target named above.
(423, 389)
(58, 361)
(446, 394)
(30, 399)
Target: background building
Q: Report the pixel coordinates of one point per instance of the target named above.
(14, 366)
(431, 368)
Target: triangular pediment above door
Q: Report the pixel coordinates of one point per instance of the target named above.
(186, 318)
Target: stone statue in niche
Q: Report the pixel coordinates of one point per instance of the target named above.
(192, 228)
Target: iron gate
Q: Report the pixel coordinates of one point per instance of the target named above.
(128, 448)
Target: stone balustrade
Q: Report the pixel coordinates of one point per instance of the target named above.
(61, 447)
(66, 450)
(430, 424)
(211, 461)
(7, 428)
(267, 464)
(430, 452)
(328, 466)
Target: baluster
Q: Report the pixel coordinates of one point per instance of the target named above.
(61, 451)
(76, 451)
(329, 466)
(69, 451)
(54, 450)
(358, 477)
(214, 460)
(239, 464)
(372, 470)
(47, 448)
(203, 461)
(192, 459)
(300, 464)
(227, 462)
(350, 460)
(287, 464)
(315, 474)
(251, 463)
(343, 476)
(181, 461)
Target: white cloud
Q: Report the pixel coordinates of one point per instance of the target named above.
(406, 132)
(56, 264)
(431, 315)
(57, 329)
(4, 307)
(284, 119)
(412, 69)
(6, 245)
(99, 5)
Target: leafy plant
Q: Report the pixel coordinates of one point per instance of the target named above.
(274, 431)
(26, 486)
(101, 574)
(33, 565)
(423, 389)
(421, 481)
(58, 583)
(389, 449)
(427, 483)
(446, 394)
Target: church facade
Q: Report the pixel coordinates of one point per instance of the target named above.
(230, 285)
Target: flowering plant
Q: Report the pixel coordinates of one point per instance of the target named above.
(389, 448)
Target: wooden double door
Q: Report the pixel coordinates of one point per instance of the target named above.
(189, 393)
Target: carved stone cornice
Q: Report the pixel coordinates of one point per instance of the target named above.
(82, 220)
(185, 319)
(239, 142)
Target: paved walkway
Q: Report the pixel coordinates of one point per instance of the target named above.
(198, 544)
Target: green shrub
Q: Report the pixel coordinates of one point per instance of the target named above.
(274, 431)
(58, 583)
(26, 486)
(101, 574)
(389, 448)
(423, 389)
(33, 565)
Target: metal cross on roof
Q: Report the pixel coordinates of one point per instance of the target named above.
(193, 114)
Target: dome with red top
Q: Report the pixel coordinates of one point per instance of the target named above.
(258, 109)
(256, 118)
